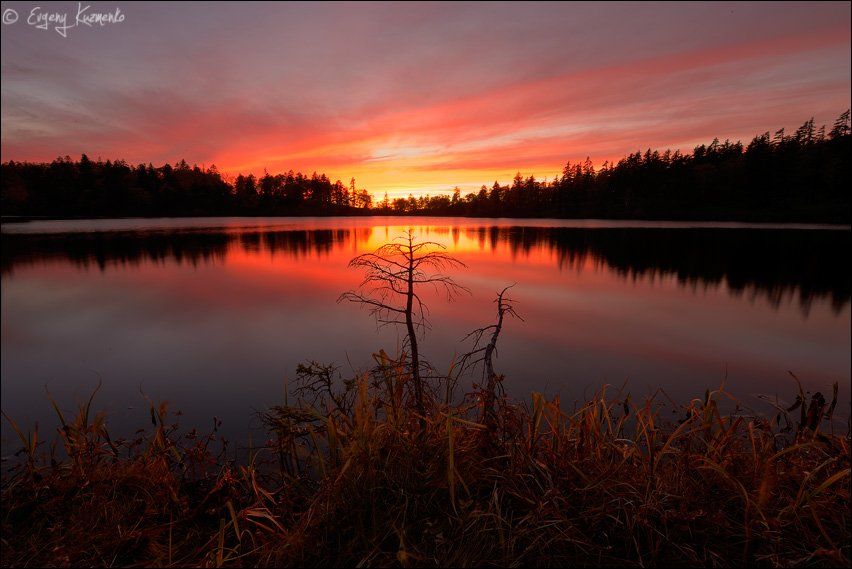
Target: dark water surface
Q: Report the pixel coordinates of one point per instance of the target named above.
(212, 314)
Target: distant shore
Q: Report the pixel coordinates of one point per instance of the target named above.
(770, 223)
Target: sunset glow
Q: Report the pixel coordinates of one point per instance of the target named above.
(425, 284)
(404, 101)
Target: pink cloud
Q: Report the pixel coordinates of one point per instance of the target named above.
(413, 115)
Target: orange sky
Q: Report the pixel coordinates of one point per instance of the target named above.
(417, 97)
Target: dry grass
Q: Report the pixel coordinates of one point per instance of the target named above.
(358, 478)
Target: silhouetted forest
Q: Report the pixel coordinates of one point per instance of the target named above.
(803, 176)
(86, 188)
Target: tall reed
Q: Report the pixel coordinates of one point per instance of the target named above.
(355, 474)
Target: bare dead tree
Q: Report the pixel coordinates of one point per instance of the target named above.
(484, 354)
(394, 273)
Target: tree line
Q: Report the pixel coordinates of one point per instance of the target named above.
(799, 176)
(803, 176)
(87, 188)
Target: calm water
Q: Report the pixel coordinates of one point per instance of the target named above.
(213, 314)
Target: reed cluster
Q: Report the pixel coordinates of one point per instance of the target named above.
(353, 474)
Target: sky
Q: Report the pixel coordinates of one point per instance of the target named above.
(411, 97)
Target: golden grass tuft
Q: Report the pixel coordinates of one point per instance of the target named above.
(359, 477)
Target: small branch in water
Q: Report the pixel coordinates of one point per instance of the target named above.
(471, 359)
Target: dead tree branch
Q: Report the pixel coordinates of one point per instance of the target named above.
(393, 274)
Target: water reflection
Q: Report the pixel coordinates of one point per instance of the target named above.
(776, 265)
(213, 318)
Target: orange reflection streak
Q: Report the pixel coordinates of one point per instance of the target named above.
(587, 319)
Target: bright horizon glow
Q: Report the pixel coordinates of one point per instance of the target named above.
(417, 98)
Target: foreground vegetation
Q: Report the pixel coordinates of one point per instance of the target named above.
(799, 176)
(393, 467)
(356, 477)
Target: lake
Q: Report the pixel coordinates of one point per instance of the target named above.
(212, 314)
